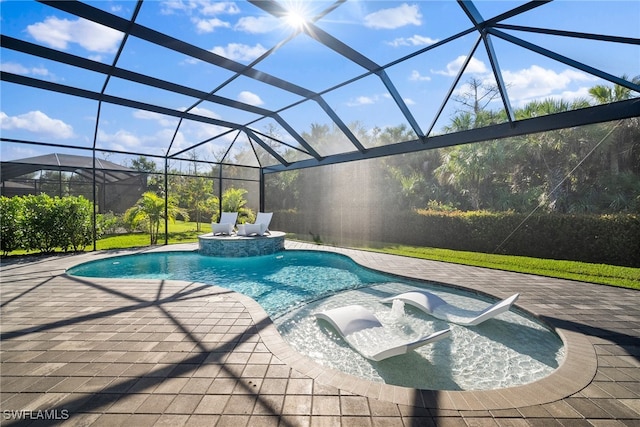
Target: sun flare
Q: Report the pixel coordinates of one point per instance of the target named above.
(296, 16)
(295, 19)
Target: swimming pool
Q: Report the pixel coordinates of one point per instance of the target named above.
(512, 349)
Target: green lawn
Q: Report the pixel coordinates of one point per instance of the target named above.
(179, 232)
(186, 232)
(604, 274)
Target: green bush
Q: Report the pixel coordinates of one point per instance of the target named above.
(606, 239)
(109, 223)
(11, 235)
(75, 216)
(42, 223)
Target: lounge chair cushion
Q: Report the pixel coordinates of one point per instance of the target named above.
(221, 228)
(226, 224)
(439, 308)
(251, 229)
(264, 218)
(362, 330)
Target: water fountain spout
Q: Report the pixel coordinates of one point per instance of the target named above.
(397, 309)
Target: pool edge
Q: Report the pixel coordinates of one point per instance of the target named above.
(575, 373)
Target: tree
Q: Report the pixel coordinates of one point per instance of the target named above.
(143, 164)
(474, 171)
(476, 96)
(151, 208)
(233, 201)
(197, 191)
(616, 147)
(149, 167)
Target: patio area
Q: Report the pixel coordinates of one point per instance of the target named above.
(108, 352)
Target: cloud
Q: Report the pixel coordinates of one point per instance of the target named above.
(415, 40)
(249, 98)
(60, 33)
(162, 120)
(12, 67)
(211, 8)
(536, 82)
(362, 100)
(417, 77)
(257, 25)
(204, 7)
(204, 13)
(37, 122)
(121, 140)
(124, 140)
(209, 25)
(15, 68)
(205, 112)
(374, 99)
(239, 51)
(475, 66)
(198, 131)
(392, 18)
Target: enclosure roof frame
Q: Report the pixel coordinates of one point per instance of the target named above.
(488, 29)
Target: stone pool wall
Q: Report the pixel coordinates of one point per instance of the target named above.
(240, 246)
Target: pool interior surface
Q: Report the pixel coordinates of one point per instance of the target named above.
(511, 349)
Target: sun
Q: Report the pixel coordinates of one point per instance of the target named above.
(297, 15)
(295, 19)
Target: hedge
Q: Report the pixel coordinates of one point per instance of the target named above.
(606, 239)
(42, 223)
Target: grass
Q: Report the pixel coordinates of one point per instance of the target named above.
(179, 232)
(625, 277)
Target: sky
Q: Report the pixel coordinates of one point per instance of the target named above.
(384, 31)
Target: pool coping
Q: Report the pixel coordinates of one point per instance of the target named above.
(576, 371)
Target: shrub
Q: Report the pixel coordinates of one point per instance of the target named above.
(150, 210)
(41, 225)
(606, 239)
(11, 235)
(75, 216)
(40, 222)
(108, 223)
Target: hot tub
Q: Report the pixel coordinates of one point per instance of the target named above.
(241, 246)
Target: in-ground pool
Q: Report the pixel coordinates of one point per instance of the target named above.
(511, 349)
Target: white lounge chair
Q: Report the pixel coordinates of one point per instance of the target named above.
(226, 224)
(362, 330)
(437, 307)
(259, 227)
(264, 218)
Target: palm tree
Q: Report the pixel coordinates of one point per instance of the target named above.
(472, 171)
(605, 95)
(151, 208)
(233, 201)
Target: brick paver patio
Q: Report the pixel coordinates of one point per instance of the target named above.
(108, 352)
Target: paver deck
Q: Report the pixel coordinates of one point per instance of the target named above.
(107, 352)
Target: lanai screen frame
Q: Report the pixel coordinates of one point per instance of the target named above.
(486, 31)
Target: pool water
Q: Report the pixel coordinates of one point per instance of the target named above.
(277, 282)
(511, 349)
